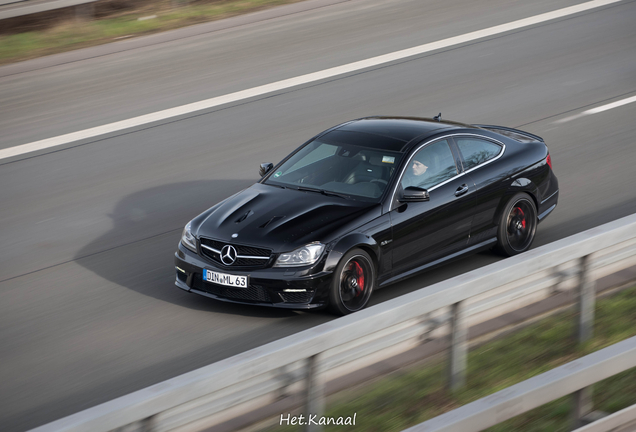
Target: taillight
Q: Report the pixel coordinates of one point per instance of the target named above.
(549, 160)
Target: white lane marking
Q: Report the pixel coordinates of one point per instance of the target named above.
(299, 80)
(610, 106)
(597, 110)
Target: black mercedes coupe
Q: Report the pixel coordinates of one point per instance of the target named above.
(365, 204)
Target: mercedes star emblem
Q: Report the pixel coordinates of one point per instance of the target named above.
(228, 255)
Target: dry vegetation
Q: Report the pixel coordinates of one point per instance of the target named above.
(63, 30)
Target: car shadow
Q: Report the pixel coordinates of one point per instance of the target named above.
(138, 252)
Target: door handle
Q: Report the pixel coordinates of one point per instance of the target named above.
(461, 190)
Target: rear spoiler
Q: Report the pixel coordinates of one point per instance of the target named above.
(510, 133)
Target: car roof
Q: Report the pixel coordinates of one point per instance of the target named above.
(388, 133)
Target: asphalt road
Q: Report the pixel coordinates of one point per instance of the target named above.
(88, 309)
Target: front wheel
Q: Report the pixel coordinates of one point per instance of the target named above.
(353, 282)
(517, 225)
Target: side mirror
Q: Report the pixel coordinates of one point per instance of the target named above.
(265, 168)
(413, 194)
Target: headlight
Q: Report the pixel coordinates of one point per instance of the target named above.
(303, 256)
(188, 240)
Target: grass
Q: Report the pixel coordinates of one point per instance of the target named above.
(74, 34)
(410, 397)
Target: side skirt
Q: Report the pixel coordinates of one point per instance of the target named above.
(547, 212)
(438, 262)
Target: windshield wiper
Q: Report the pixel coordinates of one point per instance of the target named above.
(336, 194)
(324, 192)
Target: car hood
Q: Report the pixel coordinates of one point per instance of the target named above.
(277, 218)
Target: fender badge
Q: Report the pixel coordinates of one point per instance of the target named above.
(235, 235)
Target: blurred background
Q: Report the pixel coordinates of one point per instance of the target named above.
(88, 228)
(32, 28)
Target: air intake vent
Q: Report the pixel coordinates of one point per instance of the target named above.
(272, 220)
(245, 216)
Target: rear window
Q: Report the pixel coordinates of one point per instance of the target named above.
(477, 151)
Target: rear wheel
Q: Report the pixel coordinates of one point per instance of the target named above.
(517, 225)
(353, 283)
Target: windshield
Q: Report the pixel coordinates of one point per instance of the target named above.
(357, 172)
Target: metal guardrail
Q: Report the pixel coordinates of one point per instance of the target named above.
(6, 2)
(304, 361)
(534, 392)
(620, 421)
(13, 9)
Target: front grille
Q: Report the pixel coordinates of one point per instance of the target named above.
(252, 251)
(254, 293)
(296, 297)
(241, 251)
(212, 243)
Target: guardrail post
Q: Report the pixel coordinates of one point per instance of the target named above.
(586, 301)
(458, 346)
(582, 399)
(581, 406)
(315, 394)
(85, 12)
(144, 425)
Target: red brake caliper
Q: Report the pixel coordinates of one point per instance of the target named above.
(523, 216)
(359, 275)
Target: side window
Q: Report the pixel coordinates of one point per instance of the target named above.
(476, 151)
(430, 166)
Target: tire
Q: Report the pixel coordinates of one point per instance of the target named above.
(517, 225)
(353, 283)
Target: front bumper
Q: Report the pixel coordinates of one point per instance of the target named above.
(274, 287)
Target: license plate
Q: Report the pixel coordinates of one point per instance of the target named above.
(225, 279)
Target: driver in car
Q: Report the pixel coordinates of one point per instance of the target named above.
(416, 174)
